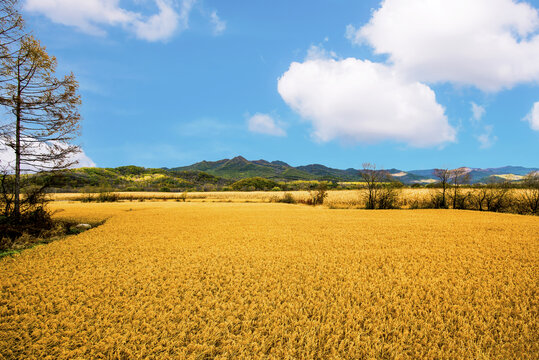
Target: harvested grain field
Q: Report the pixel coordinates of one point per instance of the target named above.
(226, 280)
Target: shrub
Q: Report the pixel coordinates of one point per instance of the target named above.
(32, 221)
(381, 196)
(387, 197)
(130, 170)
(318, 196)
(254, 184)
(101, 197)
(287, 198)
(498, 198)
(420, 204)
(460, 200)
(529, 198)
(108, 197)
(437, 201)
(133, 188)
(208, 187)
(527, 202)
(183, 196)
(493, 197)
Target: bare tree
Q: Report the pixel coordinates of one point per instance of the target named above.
(530, 193)
(444, 175)
(372, 179)
(44, 109)
(381, 192)
(491, 197)
(459, 177)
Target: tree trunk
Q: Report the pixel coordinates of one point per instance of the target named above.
(443, 195)
(17, 195)
(455, 196)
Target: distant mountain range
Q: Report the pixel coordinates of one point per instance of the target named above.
(239, 167)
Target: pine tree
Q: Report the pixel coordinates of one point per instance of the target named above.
(44, 117)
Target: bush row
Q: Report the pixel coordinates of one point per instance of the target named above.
(491, 198)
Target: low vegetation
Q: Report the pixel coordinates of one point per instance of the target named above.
(23, 214)
(254, 184)
(57, 230)
(495, 198)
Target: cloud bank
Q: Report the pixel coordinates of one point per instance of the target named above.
(93, 16)
(489, 44)
(7, 158)
(361, 101)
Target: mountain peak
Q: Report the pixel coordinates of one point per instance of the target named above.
(281, 163)
(239, 158)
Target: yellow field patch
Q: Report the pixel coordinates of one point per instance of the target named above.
(335, 197)
(225, 280)
(511, 177)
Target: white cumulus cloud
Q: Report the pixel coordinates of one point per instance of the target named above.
(533, 117)
(93, 16)
(219, 26)
(489, 44)
(361, 101)
(265, 124)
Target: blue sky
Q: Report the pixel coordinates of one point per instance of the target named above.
(332, 82)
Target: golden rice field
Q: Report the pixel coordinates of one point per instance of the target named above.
(162, 280)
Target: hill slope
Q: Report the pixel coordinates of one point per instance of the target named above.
(239, 168)
(477, 175)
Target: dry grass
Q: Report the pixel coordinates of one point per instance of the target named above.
(338, 198)
(233, 196)
(194, 280)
